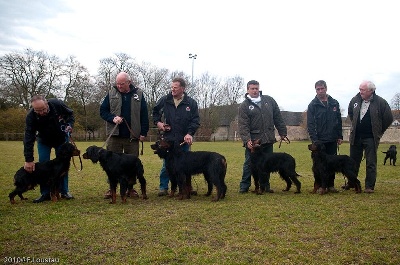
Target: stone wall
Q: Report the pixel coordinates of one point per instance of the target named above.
(392, 134)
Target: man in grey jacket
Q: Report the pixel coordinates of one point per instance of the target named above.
(370, 116)
(259, 115)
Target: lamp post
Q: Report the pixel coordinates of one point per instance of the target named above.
(193, 57)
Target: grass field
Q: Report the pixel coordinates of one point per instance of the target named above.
(278, 228)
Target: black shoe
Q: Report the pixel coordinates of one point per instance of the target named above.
(44, 197)
(67, 196)
(243, 191)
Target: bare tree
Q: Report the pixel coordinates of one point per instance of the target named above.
(28, 73)
(154, 82)
(233, 90)
(111, 66)
(396, 102)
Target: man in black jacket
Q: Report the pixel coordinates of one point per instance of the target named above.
(50, 122)
(324, 123)
(177, 115)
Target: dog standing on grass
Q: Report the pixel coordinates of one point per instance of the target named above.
(182, 165)
(324, 165)
(120, 168)
(263, 163)
(50, 172)
(391, 154)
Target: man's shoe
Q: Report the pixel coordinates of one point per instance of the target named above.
(44, 197)
(132, 193)
(107, 195)
(368, 190)
(269, 191)
(163, 193)
(67, 196)
(333, 190)
(243, 191)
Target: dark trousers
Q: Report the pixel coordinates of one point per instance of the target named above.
(124, 145)
(356, 152)
(331, 149)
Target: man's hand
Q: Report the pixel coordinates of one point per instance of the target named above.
(29, 166)
(188, 139)
(163, 127)
(117, 120)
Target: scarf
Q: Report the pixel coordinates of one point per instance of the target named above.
(255, 100)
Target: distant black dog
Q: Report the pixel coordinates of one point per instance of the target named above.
(391, 154)
(325, 165)
(120, 168)
(263, 163)
(182, 165)
(49, 173)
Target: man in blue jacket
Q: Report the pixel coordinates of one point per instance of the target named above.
(181, 115)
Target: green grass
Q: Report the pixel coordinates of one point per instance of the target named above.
(279, 228)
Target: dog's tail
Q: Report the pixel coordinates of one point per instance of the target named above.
(384, 152)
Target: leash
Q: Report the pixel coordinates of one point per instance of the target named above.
(69, 139)
(133, 136)
(112, 131)
(284, 139)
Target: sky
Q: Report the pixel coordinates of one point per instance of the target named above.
(285, 45)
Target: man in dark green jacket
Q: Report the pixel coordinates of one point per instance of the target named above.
(259, 115)
(370, 116)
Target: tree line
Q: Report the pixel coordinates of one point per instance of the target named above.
(29, 72)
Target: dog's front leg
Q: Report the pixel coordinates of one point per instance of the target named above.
(182, 186)
(188, 186)
(54, 192)
(142, 182)
(256, 180)
(113, 188)
(123, 186)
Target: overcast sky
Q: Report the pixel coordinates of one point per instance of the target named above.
(286, 45)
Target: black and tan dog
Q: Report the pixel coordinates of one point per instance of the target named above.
(325, 165)
(49, 173)
(120, 168)
(263, 163)
(182, 165)
(391, 154)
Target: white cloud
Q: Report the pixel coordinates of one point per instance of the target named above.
(286, 45)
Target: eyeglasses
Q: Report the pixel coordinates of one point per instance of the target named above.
(123, 83)
(40, 111)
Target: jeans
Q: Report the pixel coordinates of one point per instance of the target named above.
(245, 183)
(164, 178)
(356, 152)
(44, 155)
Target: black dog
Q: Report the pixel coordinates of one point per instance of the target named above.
(263, 163)
(391, 154)
(49, 173)
(325, 165)
(120, 168)
(182, 165)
